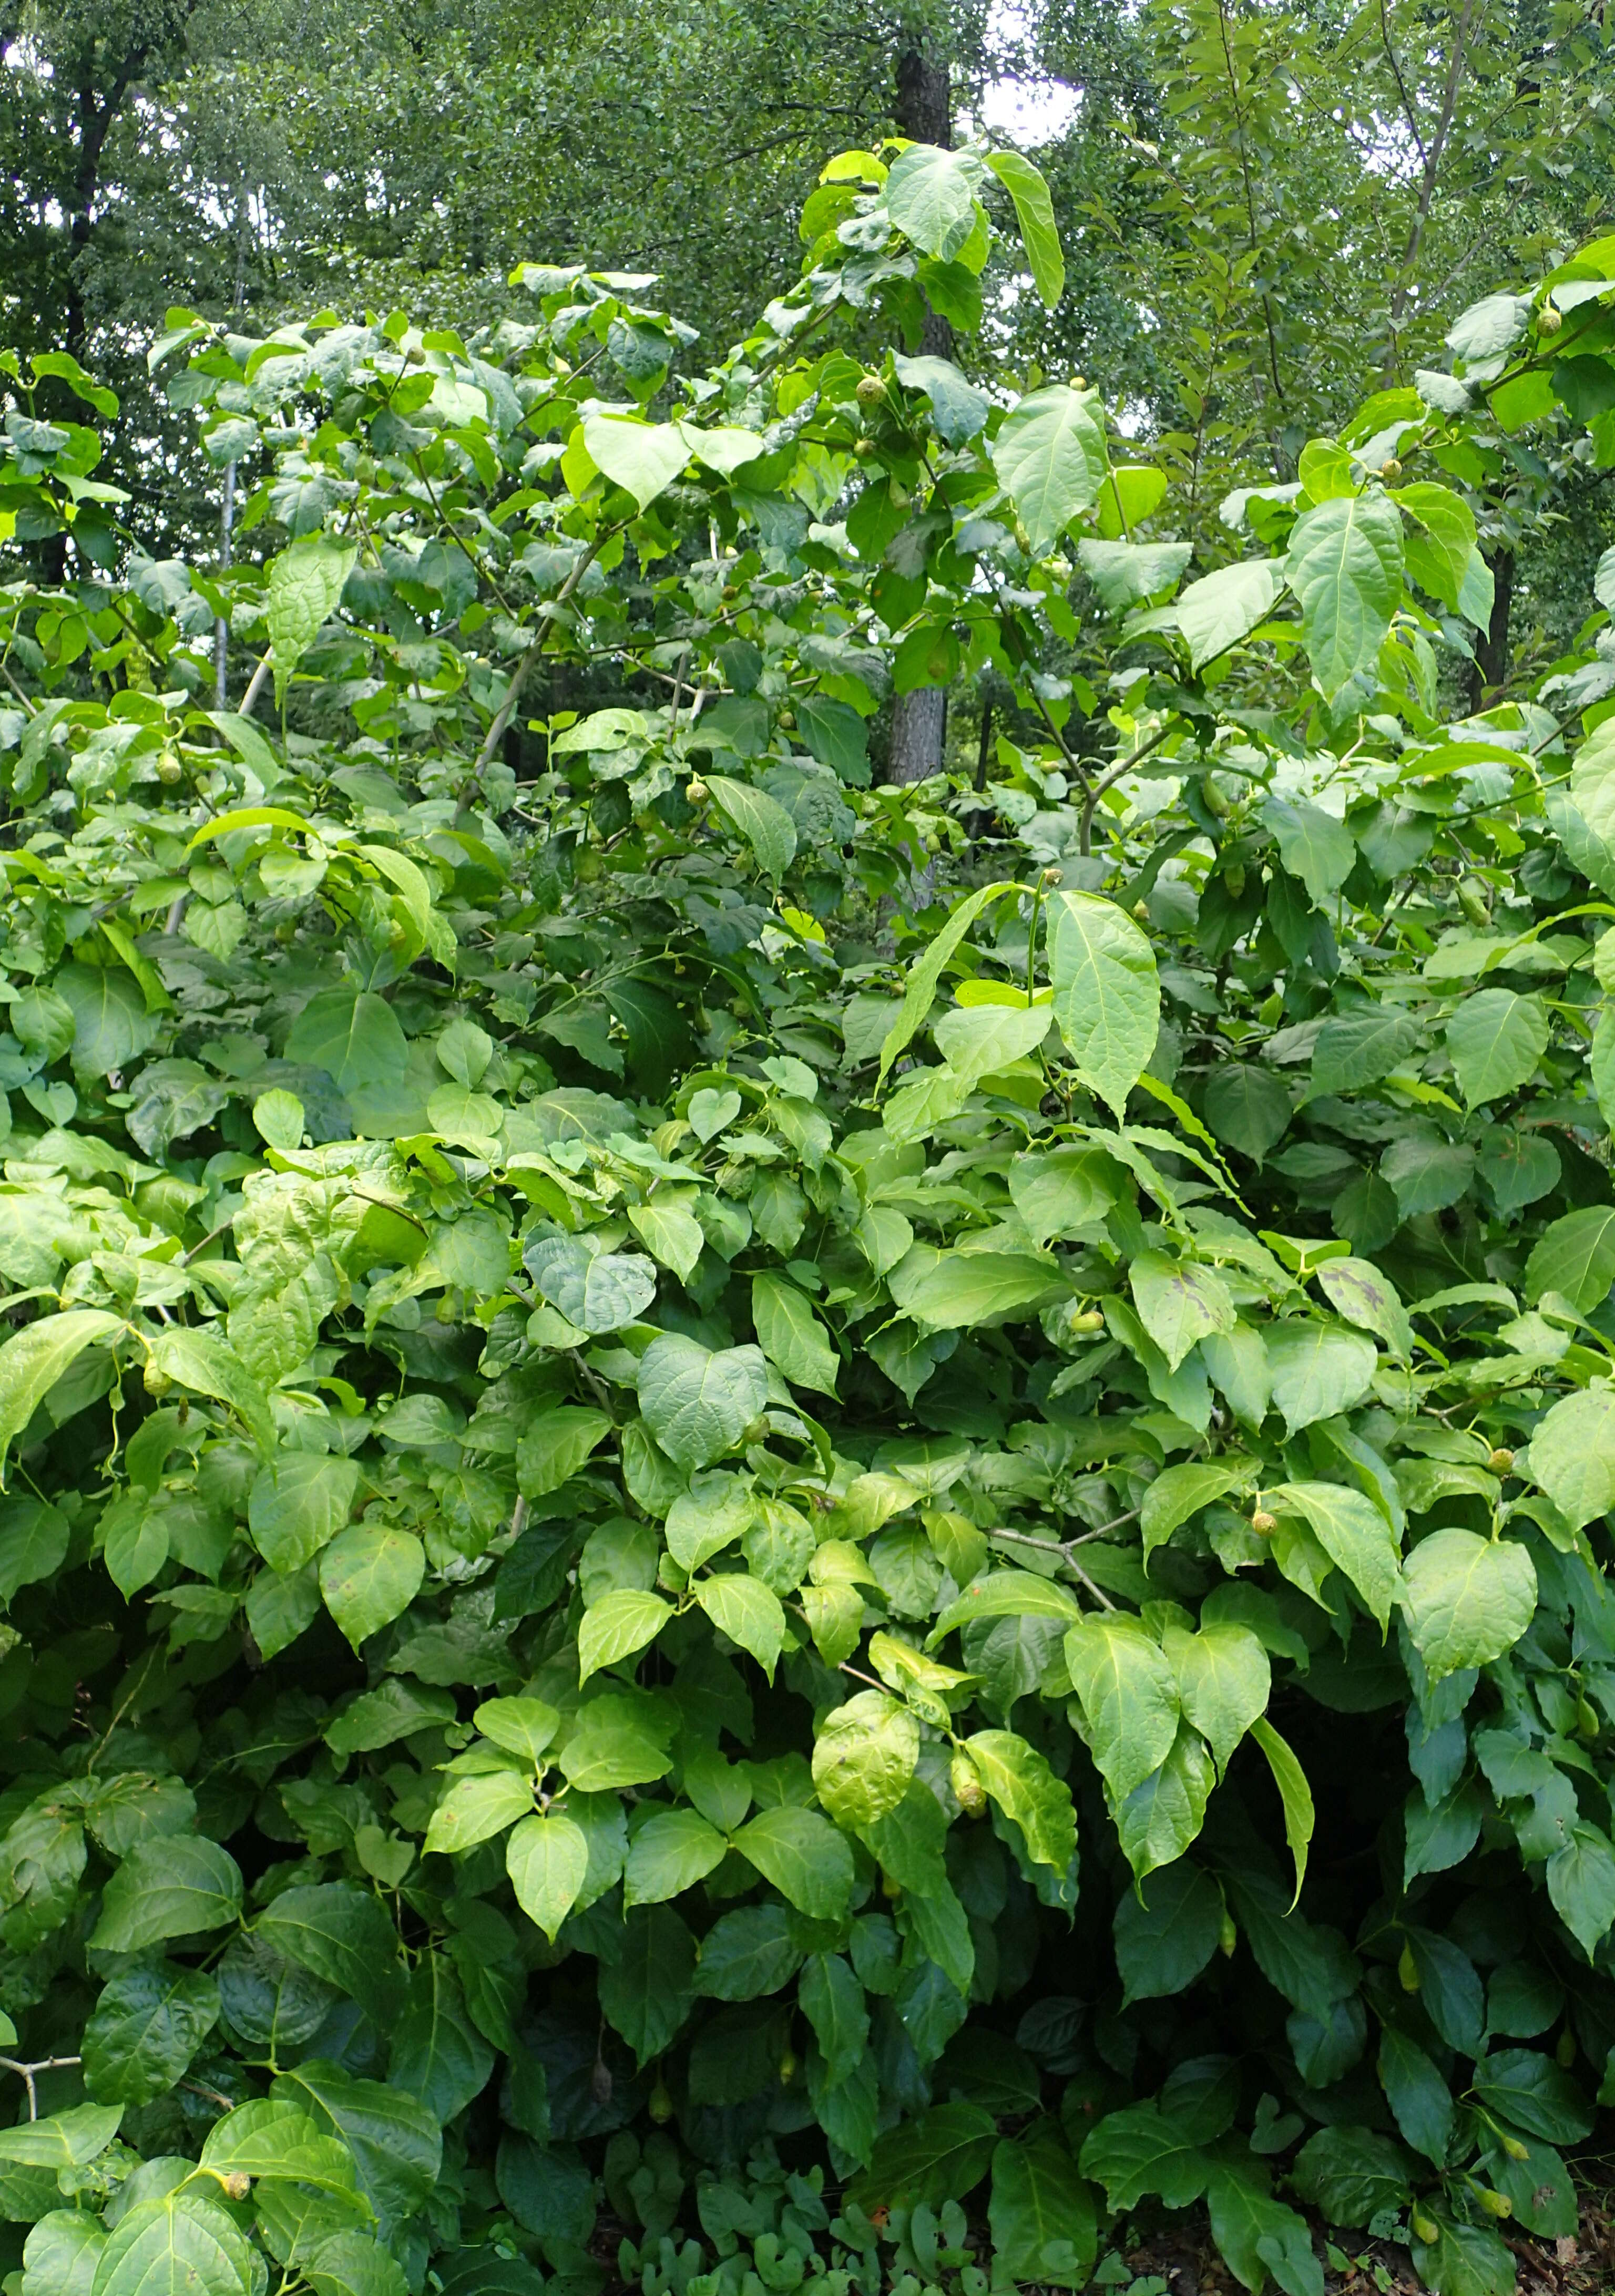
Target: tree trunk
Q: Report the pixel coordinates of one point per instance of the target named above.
(1488, 672)
(924, 112)
(918, 723)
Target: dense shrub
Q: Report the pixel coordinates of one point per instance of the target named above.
(709, 1465)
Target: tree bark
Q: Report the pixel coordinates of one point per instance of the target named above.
(918, 723)
(1488, 672)
(924, 112)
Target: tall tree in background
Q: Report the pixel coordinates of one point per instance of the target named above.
(924, 113)
(1265, 207)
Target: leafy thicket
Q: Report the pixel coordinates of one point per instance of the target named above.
(708, 1465)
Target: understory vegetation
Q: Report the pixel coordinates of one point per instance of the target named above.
(858, 1526)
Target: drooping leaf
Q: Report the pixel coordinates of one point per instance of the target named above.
(1107, 996)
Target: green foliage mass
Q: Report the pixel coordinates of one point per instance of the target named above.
(707, 1465)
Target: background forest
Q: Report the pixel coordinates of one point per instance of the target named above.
(806, 1217)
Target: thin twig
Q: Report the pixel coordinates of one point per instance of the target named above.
(519, 675)
(255, 685)
(39, 2065)
(1403, 289)
(212, 1237)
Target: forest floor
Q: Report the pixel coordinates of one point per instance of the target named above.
(1183, 2262)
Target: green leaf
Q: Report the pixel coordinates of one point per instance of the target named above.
(525, 1726)
(1167, 1929)
(643, 458)
(607, 1751)
(1353, 1533)
(35, 1359)
(177, 2241)
(792, 1335)
(1351, 2174)
(1020, 1780)
(863, 1756)
(761, 820)
(150, 2021)
(112, 1026)
(670, 1235)
(616, 1626)
(1345, 567)
(474, 1808)
(277, 1609)
(1575, 1256)
(176, 1885)
(832, 2002)
(1034, 213)
(804, 1857)
(931, 197)
(1356, 1289)
(1572, 1450)
(1041, 2215)
(597, 1290)
(60, 2253)
(305, 582)
(1143, 2150)
(1495, 1039)
(698, 1404)
(1530, 2091)
(1468, 1599)
(1248, 1107)
(547, 1858)
(647, 1991)
(1129, 1696)
(1220, 609)
(268, 2138)
(834, 733)
(298, 1504)
(1354, 1049)
(710, 1515)
(554, 1445)
(1438, 556)
(945, 1290)
(1313, 845)
(63, 2140)
(1049, 458)
(341, 1933)
(1256, 2235)
(1179, 1493)
(380, 1717)
(749, 1953)
(1007, 1594)
(672, 1851)
(1130, 573)
(1465, 2259)
(1317, 1370)
(1581, 1883)
(203, 1361)
(1223, 1682)
(33, 1542)
(438, 2053)
(1061, 1191)
(355, 1039)
(747, 1611)
(1178, 1302)
(1295, 1795)
(1107, 998)
(369, 1575)
(396, 2143)
(1160, 1818)
(920, 988)
(940, 2155)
